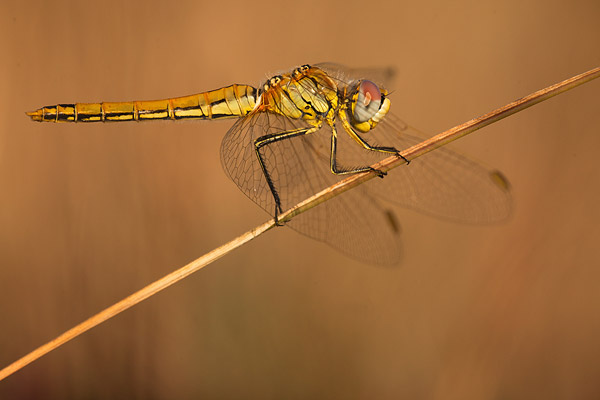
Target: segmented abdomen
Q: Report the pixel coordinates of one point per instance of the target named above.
(228, 102)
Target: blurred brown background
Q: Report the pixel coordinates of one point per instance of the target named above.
(91, 213)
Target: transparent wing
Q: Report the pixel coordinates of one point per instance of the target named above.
(381, 75)
(288, 161)
(442, 183)
(353, 223)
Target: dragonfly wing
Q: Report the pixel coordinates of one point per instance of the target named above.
(443, 182)
(286, 160)
(341, 73)
(353, 222)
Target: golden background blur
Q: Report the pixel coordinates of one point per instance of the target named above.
(91, 213)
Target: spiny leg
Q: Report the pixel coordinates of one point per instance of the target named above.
(357, 138)
(382, 149)
(270, 139)
(333, 159)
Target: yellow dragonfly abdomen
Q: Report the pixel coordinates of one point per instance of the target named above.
(228, 102)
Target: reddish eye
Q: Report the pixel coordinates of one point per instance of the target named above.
(368, 101)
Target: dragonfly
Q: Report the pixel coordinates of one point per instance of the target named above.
(304, 130)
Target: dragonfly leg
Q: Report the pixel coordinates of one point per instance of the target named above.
(277, 211)
(357, 138)
(383, 149)
(344, 171)
(270, 139)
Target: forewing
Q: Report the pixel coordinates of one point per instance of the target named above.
(443, 182)
(285, 160)
(384, 76)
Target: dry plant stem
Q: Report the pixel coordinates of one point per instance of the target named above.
(330, 192)
(136, 297)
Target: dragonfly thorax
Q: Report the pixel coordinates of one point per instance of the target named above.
(307, 93)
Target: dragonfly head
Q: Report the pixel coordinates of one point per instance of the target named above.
(368, 105)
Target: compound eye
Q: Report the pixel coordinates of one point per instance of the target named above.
(368, 101)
